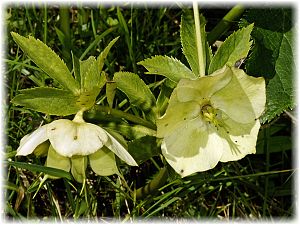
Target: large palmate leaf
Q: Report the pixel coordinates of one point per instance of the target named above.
(168, 67)
(188, 41)
(273, 57)
(52, 101)
(47, 60)
(234, 48)
(136, 90)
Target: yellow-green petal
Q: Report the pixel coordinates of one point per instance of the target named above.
(78, 167)
(204, 87)
(175, 116)
(243, 99)
(103, 162)
(57, 161)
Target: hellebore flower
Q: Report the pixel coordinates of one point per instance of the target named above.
(212, 119)
(73, 139)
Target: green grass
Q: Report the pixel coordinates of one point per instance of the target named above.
(257, 187)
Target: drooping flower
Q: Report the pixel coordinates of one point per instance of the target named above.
(211, 119)
(74, 140)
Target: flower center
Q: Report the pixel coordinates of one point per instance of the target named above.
(210, 114)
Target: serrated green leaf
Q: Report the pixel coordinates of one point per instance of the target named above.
(90, 75)
(167, 66)
(234, 48)
(101, 58)
(48, 100)
(273, 57)
(103, 162)
(111, 87)
(143, 148)
(47, 60)
(188, 40)
(136, 90)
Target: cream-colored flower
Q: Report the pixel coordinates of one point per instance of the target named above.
(212, 119)
(73, 139)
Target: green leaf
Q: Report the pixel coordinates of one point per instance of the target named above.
(143, 148)
(136, 90)
(167, 66)
(101, 58)
(111, 87)
(47, 60)
(103, 162)
(273, 57)
(234, 48)
(188, 40)
(90, 75)
(48, 100)
(38, 168)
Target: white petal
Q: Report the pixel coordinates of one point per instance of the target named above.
(30, 141)
(240, 141)
(69, 138)
(119, 150)
(192, 148)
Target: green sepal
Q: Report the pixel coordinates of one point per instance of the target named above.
(103, 162)
(78, 167)
(47, 60)
(57, 161)
(42, 149)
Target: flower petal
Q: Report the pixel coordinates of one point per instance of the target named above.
(58, 161)
(202, 88)
(175, 116)
(30, 141)
(103, 162)
(196, 149)
(119, 150)
(70, 138)
(240, 141)
(243, 99)
(78, 167)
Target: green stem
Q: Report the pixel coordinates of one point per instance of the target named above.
(233, 15)
(64, 15)
(124, 115)
(158, 181)
(201, 61)
(266, 151)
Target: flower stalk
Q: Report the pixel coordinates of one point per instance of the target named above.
(200, 52)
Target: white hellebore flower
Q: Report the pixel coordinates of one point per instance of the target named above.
(212, 119)
(74, 138)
